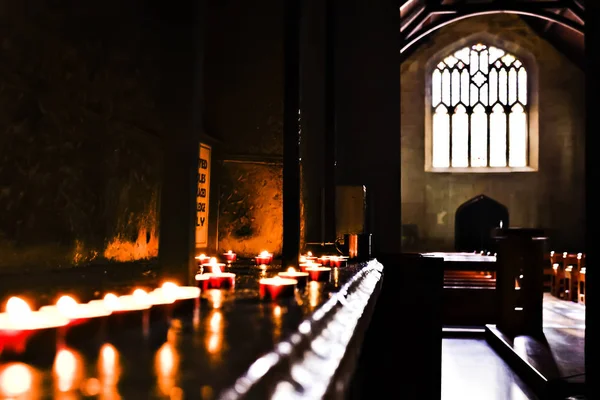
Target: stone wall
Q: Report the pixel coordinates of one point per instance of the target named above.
(552, 198)
(80, 160)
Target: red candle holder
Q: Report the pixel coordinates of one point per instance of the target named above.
(201, 259)
(24, 331)
(308, 264)
(216, 280)
(213, 266)
(277, 288)
(264, 258)
(337, 262)
(291, 273)
(324, 260)
(319, 274)
(230, 257)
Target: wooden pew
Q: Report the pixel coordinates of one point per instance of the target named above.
(581, 281)
(558, 279)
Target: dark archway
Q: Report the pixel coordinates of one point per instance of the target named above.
(474, 221)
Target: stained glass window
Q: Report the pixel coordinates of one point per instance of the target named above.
(479, 106)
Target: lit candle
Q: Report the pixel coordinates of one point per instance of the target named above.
(202, 258)
(170, 292)
(336, 261)
(212, 265)
(264, 258)
(277, 288)
(216, 280)
(308, 264)
(19, 325)
(291, 273)
(132, 302)
(185, 298)
(69, 307)
(324, 260)
(230, 256)
(320, 274)
(309, 256)
(19, 317)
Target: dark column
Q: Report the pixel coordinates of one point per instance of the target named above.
(328, 222)
(368, 108)
(291, 133)
(592, 335)
(312, 104)
(181, 97)
(520, 253)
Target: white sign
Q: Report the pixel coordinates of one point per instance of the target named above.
(202, 196)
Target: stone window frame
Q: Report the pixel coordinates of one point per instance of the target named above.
(530, 64)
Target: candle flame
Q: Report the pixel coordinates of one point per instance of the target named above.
(229, 252)
(67, 306)
(111, 301)
(309, 254)
(140, 296)
(302, 259)
(201, 257)
(291, 269)
(213, 261)
(17, 308)
(264, 253)
(169, 290)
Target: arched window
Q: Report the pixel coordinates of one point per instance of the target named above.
(479, 110)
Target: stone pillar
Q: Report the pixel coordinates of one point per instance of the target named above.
(368, 113)
(312, 105)
(592, 336)
(291, 133)
(520, 280)
(328, 224)
(181, 98)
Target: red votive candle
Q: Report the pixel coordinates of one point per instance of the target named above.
(320, 274)
(264, 258)
(230, 256)
(277, 288)
(307, 264)
(324, 260)
(216, 280)
(202, 258)
(336, 261)
(212, 265)
(291, 273)
(19, 324)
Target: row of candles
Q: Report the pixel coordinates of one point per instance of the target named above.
(18, 323)
(280, 286)
(266, 258)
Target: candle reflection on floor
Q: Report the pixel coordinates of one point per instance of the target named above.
(166, 365)
(18, 380)
(216, 298)
(214, 339)
(314, 294)
(68, 370)
(277, 312)
(109, 371)
(336, 277)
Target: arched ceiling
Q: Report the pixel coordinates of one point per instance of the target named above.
(558, 21)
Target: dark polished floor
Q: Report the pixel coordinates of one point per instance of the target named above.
(471, 370)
